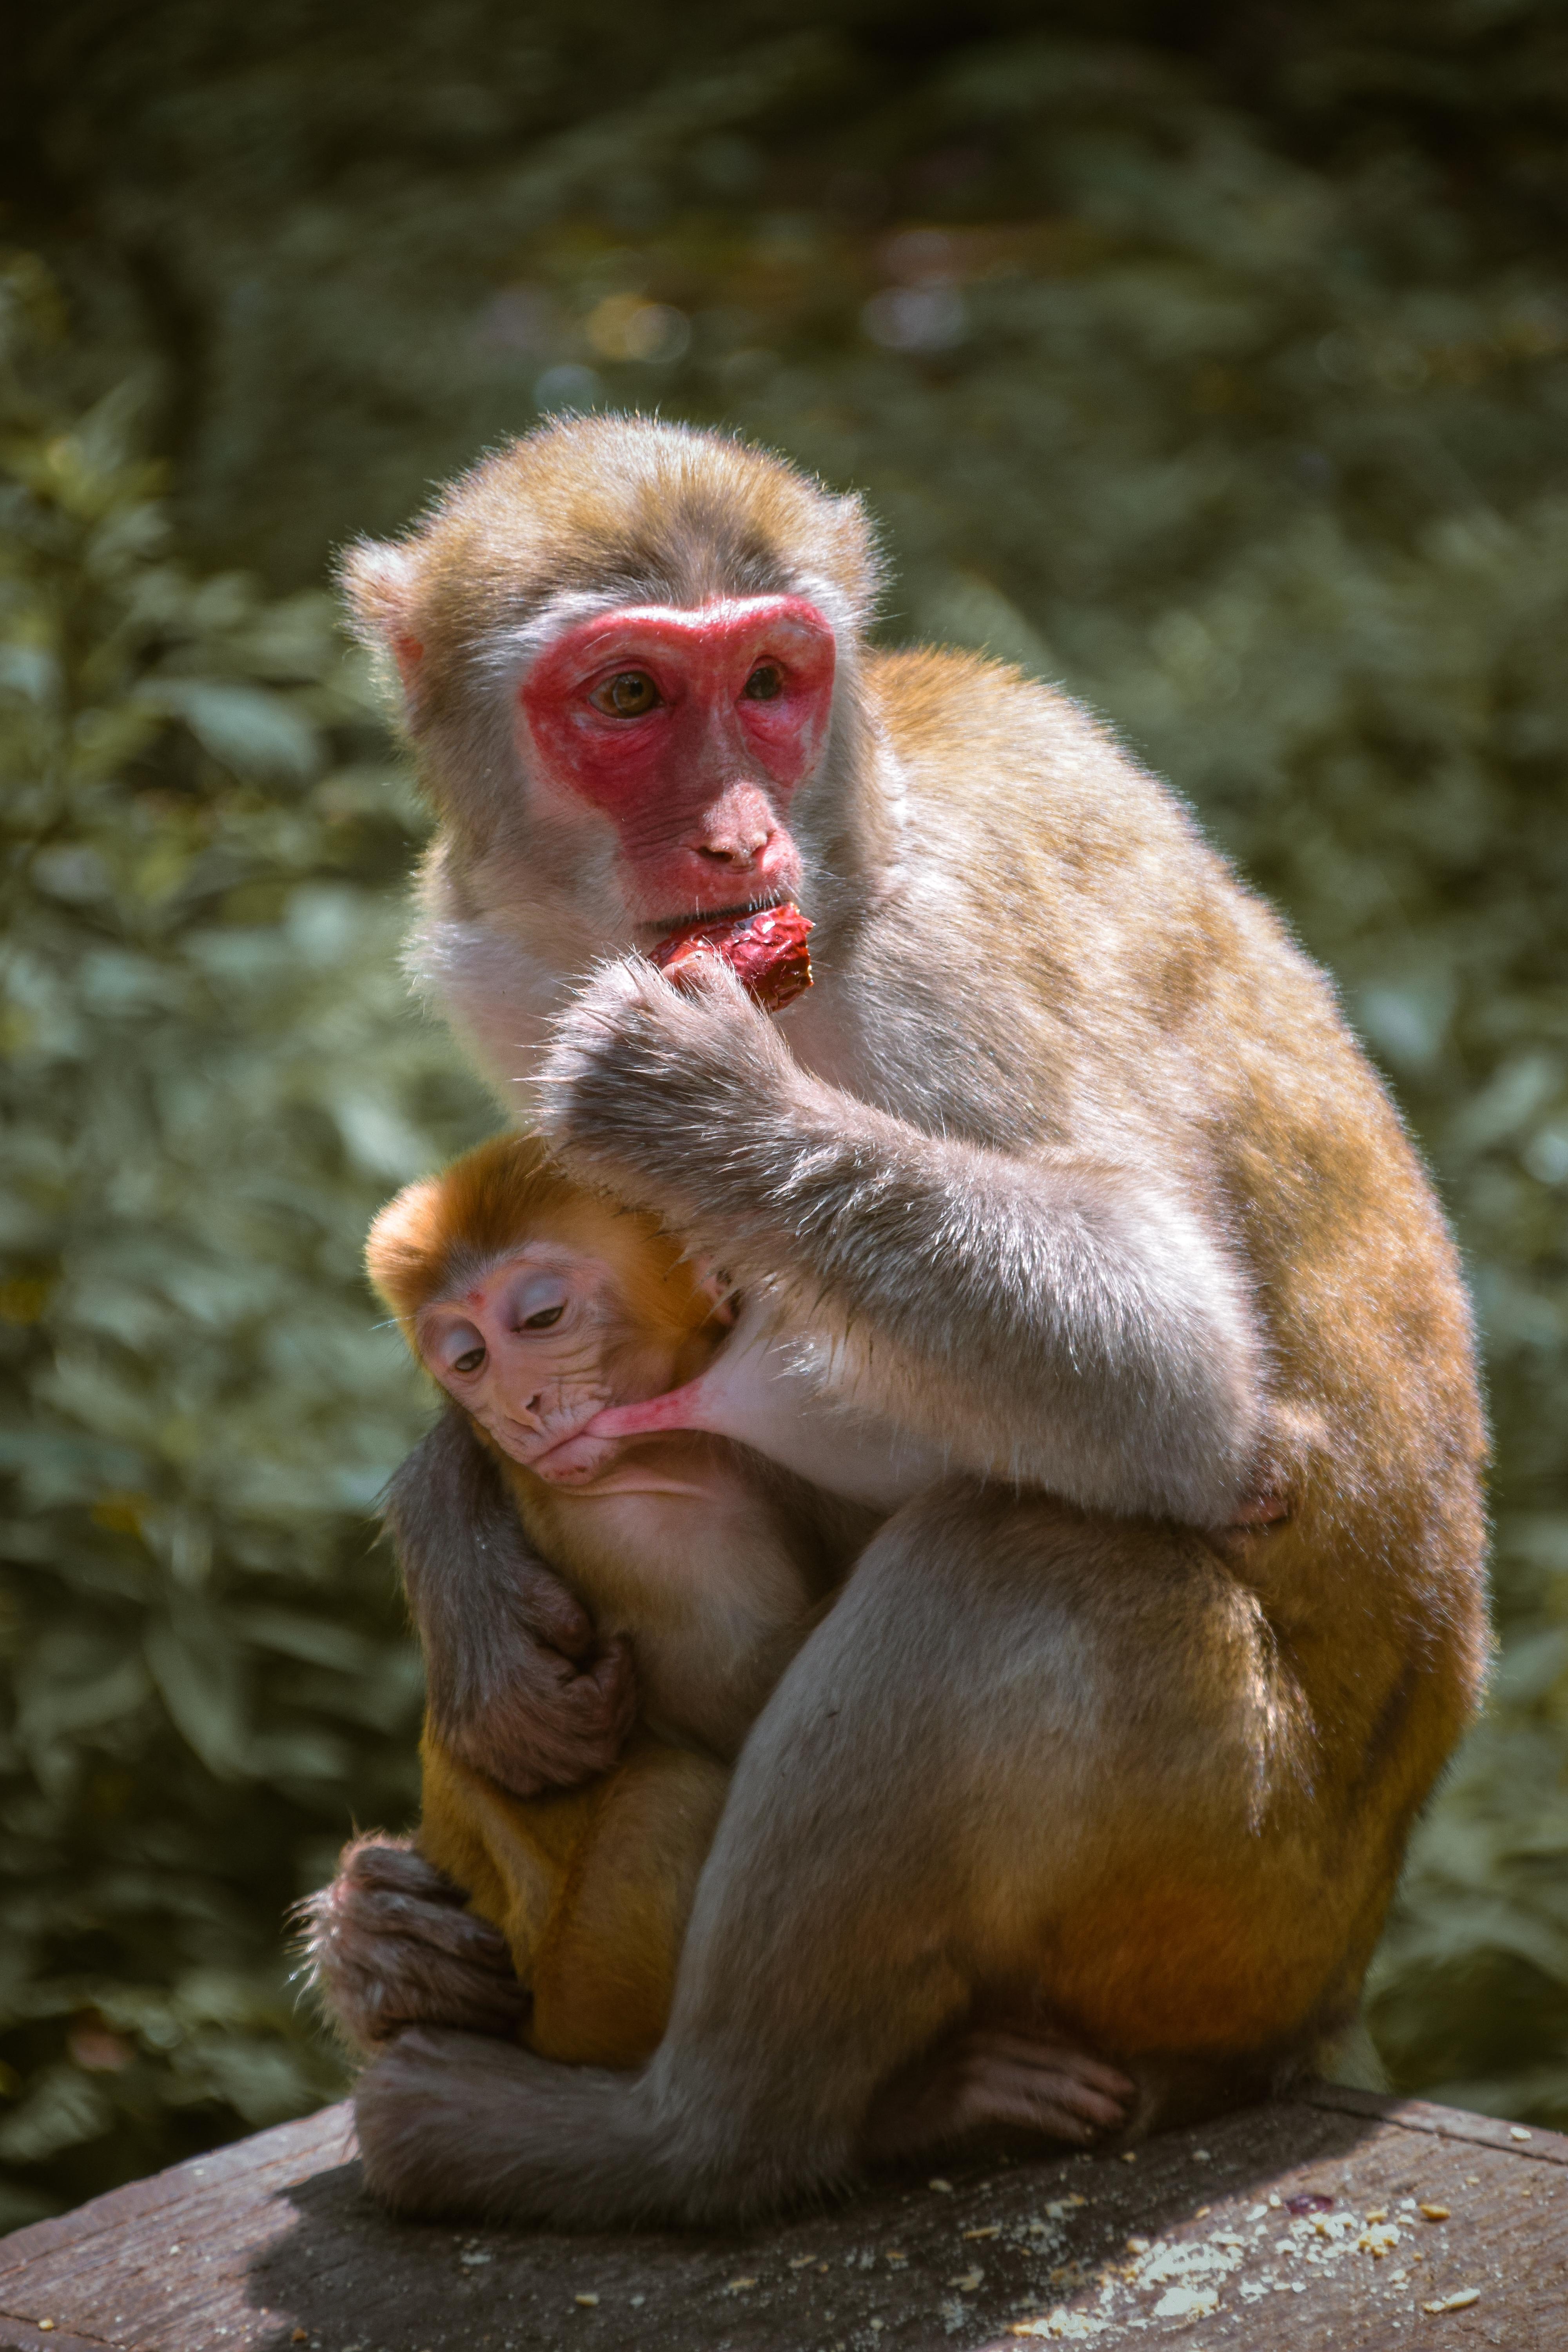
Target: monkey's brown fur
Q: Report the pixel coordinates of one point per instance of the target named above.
(591, 1888)
(1072, 1144)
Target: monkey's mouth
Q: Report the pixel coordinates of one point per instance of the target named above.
(546, 1450)
(572, 1460)
(735, 914)
(567, 1457)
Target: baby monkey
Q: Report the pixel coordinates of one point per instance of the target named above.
(540, 1308)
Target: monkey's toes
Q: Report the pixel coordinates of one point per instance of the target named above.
(1050, 2086)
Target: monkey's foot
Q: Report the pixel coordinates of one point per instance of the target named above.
(450, 2124)
(989, 2078)
(390, 1943)
(410, 2108)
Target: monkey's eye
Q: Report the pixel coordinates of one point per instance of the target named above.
(544, 1318)
(765, 683)
(629, 695)
(471, 1363)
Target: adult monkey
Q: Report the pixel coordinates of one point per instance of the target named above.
(1071, 1144)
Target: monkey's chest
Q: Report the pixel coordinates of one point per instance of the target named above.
(711, 1594)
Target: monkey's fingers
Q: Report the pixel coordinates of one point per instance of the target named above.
(554, 1723)
(640, 1073)
(598, 1707)
(363, 1912)
(545, 1607)
(390, 1865)
(393, 1982)
(414, 1989)
(388, 1944)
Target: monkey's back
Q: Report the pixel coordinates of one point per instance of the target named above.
(1162, 1014)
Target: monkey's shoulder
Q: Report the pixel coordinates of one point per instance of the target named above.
(1026, 819)
(969, 728)
(1038, 843)
(920, 690)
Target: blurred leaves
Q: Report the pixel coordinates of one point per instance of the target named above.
(212, 1077)
(1230, 389)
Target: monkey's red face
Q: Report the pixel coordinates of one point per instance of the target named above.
(535, 1347)
(690, 730)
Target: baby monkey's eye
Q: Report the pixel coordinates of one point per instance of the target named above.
(471, 1363)
(626, 695)
(765, 683)
(544, 1318)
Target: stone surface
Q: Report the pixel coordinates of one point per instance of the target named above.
(1287, 2226)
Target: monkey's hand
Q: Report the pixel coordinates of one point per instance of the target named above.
(989, 2078)
(647, 1085)
(390, 1943)
(516, 1683)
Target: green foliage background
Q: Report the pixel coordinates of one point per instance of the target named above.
(1218, 368)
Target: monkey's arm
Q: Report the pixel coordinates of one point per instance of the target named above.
(775, 1393)
(1073, 1323)
(516, 1683)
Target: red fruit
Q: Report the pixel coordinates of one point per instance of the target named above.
(766, 951)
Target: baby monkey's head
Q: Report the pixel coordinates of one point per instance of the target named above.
(536, 1304)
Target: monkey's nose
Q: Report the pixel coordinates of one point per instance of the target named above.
(739, 854)
(734, 830)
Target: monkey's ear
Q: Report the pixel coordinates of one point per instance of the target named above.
(862, 565)
(379, 579)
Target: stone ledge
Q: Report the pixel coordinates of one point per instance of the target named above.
(1293, 2225)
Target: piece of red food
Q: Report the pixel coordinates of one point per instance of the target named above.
(766, 951)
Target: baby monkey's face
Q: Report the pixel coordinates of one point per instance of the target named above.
(543, 1339)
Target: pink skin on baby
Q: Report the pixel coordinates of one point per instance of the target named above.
(534, 1348)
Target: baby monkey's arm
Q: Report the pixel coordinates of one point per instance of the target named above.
(517, 1682)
